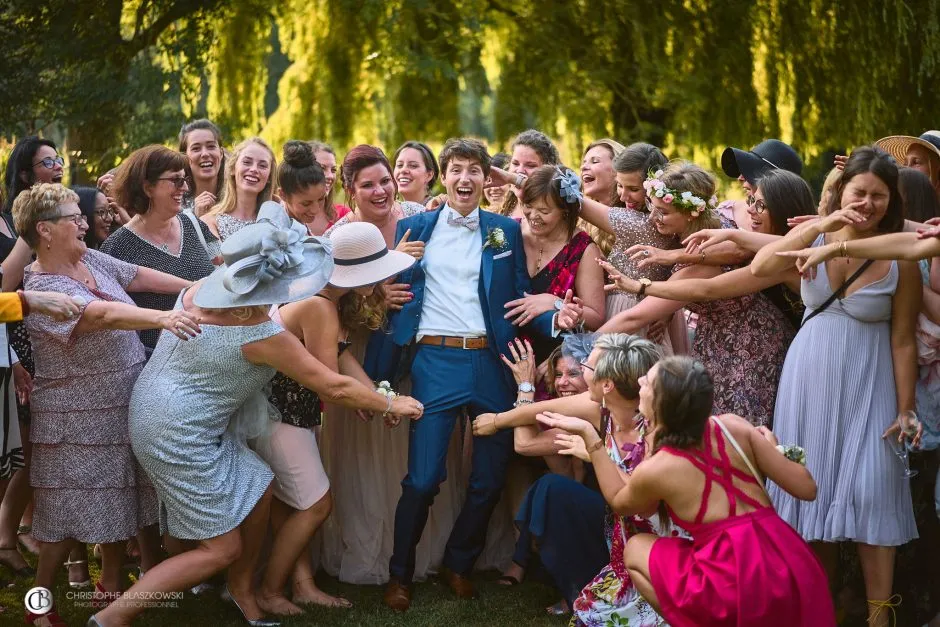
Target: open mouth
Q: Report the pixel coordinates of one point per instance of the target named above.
(404, 181)
(756, 225)
(464, 193)
(380, 203)
(251, 179)
(57, 178)
(588, 178)
(206, 165)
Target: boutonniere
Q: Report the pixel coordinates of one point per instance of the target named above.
(495, 239)
(794, 453)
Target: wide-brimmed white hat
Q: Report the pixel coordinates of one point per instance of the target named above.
(360, 256)
(898, 145)
(272, 261)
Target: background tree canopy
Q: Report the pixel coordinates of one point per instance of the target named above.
(107, 76)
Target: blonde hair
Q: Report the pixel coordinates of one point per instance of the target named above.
(603, 239)
(227, 204)
(623, 359)
(38, 203)
(685, 176)
(834, 176)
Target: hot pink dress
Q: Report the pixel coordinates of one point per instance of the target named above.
(747, 569)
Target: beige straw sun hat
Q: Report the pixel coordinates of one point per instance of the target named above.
(361, 258)
(898, 145)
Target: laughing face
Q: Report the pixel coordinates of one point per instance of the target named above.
(374, 193)
(568, 378)
(543, 216)
(760, 214)
(871, 195)
(463, 179)
(204, 154)
(327, 161)
(597, 173)
(412, 175)
(167, 194)
(306, 204)
(45, 157)
(630, 189)
(253, 169)
(667, 219)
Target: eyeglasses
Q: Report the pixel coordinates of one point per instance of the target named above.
(50, 162)
(178, 181)
(758, 206)
(104, 213)
(584, 366)
(75, 218)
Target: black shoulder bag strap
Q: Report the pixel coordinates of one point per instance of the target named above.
(839, 292)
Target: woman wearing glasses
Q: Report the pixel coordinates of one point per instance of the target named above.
(87, 486)
(33, 160)
(151, 185)
(98, 214)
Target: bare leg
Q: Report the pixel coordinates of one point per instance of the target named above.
(51, 556)
(304, 585)
(176, 574)
(112, 562)
(148, 540)
(559, 465)
(10, 511)
(636, 556)
(878, 571)
(240, 573)
(78, 564)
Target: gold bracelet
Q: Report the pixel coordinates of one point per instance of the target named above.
(495, 416)
(594, 447)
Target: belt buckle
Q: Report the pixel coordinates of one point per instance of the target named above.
(464, 342)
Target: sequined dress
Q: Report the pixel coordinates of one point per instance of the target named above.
(632, 228)
(227, 224)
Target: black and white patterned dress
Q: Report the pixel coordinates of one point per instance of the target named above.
(192, 263)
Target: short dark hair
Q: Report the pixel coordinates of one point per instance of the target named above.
(426, 155)
(465, 148)
(545, 182)
(870, 159)
(21, 162)
(919, 195)
(500, 160)
(639, 157)
(299, 168)
(786, 195)
(145, 165)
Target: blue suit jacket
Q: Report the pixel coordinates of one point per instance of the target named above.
(502, 278)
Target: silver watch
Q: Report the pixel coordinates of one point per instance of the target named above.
(559, 304)
(526, 388)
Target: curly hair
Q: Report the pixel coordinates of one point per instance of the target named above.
(356, 310)
(38, 203)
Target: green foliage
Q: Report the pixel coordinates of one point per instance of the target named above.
(690, 75)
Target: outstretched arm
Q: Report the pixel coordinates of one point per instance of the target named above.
(579, 405)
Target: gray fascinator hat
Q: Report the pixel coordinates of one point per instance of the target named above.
(578, 346)
(272, 261)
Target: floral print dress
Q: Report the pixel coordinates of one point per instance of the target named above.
(610, 599)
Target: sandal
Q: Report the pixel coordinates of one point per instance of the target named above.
(22, 571)
(559, 609)
(78, 585)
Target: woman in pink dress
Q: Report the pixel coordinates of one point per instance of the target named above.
(744, 565)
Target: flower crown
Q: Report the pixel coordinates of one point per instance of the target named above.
(683, 201)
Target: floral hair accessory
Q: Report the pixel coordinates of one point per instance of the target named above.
(569, 186)
(793, 452)
(683, 201)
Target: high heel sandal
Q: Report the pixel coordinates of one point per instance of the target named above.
(78, 585)
(258, 622)
(890, 604)
(22, 571)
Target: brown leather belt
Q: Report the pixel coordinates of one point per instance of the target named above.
(450, 341)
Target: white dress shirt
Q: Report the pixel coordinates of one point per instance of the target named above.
(451, 262)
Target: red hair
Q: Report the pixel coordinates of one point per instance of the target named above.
(357, 159)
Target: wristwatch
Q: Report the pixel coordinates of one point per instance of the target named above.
(526, 388)
(644, 283)
(559, 304)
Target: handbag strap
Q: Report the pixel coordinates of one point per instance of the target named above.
(202, 238)
(839, 292)
(737, 447)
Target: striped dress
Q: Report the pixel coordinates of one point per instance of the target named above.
(836, 398)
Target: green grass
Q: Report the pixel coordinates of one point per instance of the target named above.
(433, 604)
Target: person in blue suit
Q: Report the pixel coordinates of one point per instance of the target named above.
(452, 333)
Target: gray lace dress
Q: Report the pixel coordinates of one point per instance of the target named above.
(206, 477)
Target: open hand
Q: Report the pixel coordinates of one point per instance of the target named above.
(181, 323)
(526, 309)
(570, 424)
(808, 258)
(645, 256)
(523, 361)
(706, 238)
(621, 282)
(572, 445)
